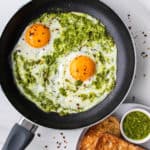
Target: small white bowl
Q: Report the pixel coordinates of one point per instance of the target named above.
(123, 133)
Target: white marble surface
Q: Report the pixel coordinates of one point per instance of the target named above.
(139, 21)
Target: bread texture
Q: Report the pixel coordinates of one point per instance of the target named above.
(106, 136)
(110, 142)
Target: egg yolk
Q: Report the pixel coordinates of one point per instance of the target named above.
(82, 68)
(37, 35)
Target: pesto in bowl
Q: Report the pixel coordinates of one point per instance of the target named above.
(135, 126)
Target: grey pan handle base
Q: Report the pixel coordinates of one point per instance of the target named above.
(20, 136)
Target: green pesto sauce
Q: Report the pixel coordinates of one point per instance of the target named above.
(136, 125)
(63, 91)
(78, 31)
(91, 96)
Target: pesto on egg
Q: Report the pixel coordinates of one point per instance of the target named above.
(43, 74)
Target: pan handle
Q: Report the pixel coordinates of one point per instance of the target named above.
(20, 136)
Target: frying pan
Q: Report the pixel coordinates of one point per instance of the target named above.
(23, 133)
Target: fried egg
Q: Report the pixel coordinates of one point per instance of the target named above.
(37, 39)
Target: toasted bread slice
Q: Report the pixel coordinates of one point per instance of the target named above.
(110, 142)
(109, 125)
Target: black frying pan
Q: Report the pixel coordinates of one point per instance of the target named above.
(125, 65)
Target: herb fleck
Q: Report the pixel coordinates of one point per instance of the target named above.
(38, 134)
(129, 27)
(63, 91)
(78, 83)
